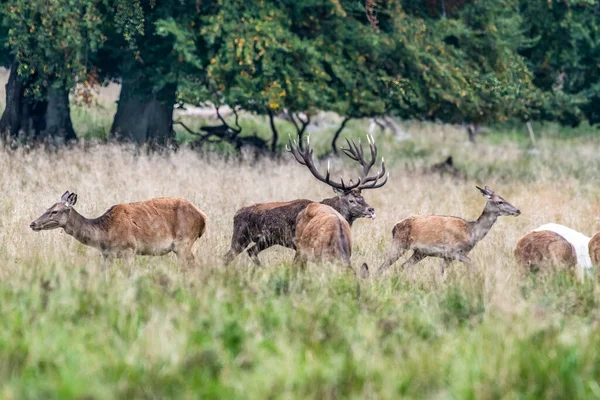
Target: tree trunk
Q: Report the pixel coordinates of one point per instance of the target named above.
(22, 116)
(275, 137)
(336, 135)
(59, 128)
(144, 117)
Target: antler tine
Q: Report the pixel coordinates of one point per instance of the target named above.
(350, 152)
(371, 182)
(304, 157)
(294, 149)
(376, 185)
(377, 176)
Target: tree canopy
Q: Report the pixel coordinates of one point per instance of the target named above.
(456, 61)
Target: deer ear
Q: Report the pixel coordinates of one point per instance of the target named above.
(65, 196)
(338, 192)
(71, 200)
(484, 192)
(490, 191)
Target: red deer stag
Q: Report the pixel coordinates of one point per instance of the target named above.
(323, 234)
(153, 227)
(449, 238)
(269, 224)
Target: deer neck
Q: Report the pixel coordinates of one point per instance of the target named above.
(336, 204)
(483, 224)
(83, 229)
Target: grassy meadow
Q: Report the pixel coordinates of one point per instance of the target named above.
(69, 330)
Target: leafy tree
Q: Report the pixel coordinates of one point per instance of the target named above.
(49, 44)
(564, 57)
(147, 67)
(465, 66)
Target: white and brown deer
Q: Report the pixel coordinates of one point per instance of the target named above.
(153, 227)
(449, 238)
(545, 250)
(554, 246)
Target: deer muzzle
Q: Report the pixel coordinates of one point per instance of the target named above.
(371, 211)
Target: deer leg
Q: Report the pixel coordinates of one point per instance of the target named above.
(415, 258)
(255, 249)
(348, 265)
(186, 258)
(445, 263)
(299, 261)
(107, 259)
(465, 260)
(129, 257)
(393, 255)
(184, 254)
(238, 244)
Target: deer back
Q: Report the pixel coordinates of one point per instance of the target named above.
(323, 234)
(431, 231)
(544, 249)
(157, 219)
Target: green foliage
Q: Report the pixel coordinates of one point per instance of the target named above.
(479, 62)
(564, 56)
(324, 55)
(51, 41)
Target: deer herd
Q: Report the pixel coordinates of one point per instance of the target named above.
(318, 232)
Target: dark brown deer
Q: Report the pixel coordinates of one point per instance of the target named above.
(152, 227)
(269, 224)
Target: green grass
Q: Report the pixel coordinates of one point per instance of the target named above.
(68, 331)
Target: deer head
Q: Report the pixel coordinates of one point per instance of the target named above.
(56, 216)
(352, 203)
(497, 204)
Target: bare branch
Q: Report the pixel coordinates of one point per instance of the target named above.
(337, 134)
(186, 128)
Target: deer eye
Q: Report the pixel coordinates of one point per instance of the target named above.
(500, 202)
(352, 201)
(54, 212)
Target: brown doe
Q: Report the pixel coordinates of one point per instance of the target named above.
(270, 224)
(449, 238)
(153, 227)
(545, 250)
(323, 234)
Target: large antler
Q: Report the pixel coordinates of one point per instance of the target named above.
(356, 153)
(304, 157)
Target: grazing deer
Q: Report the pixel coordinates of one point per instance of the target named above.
(447, 168)
(269, 224)
(449, 238)
(153, 227)
(553, 245)
(544, 249)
